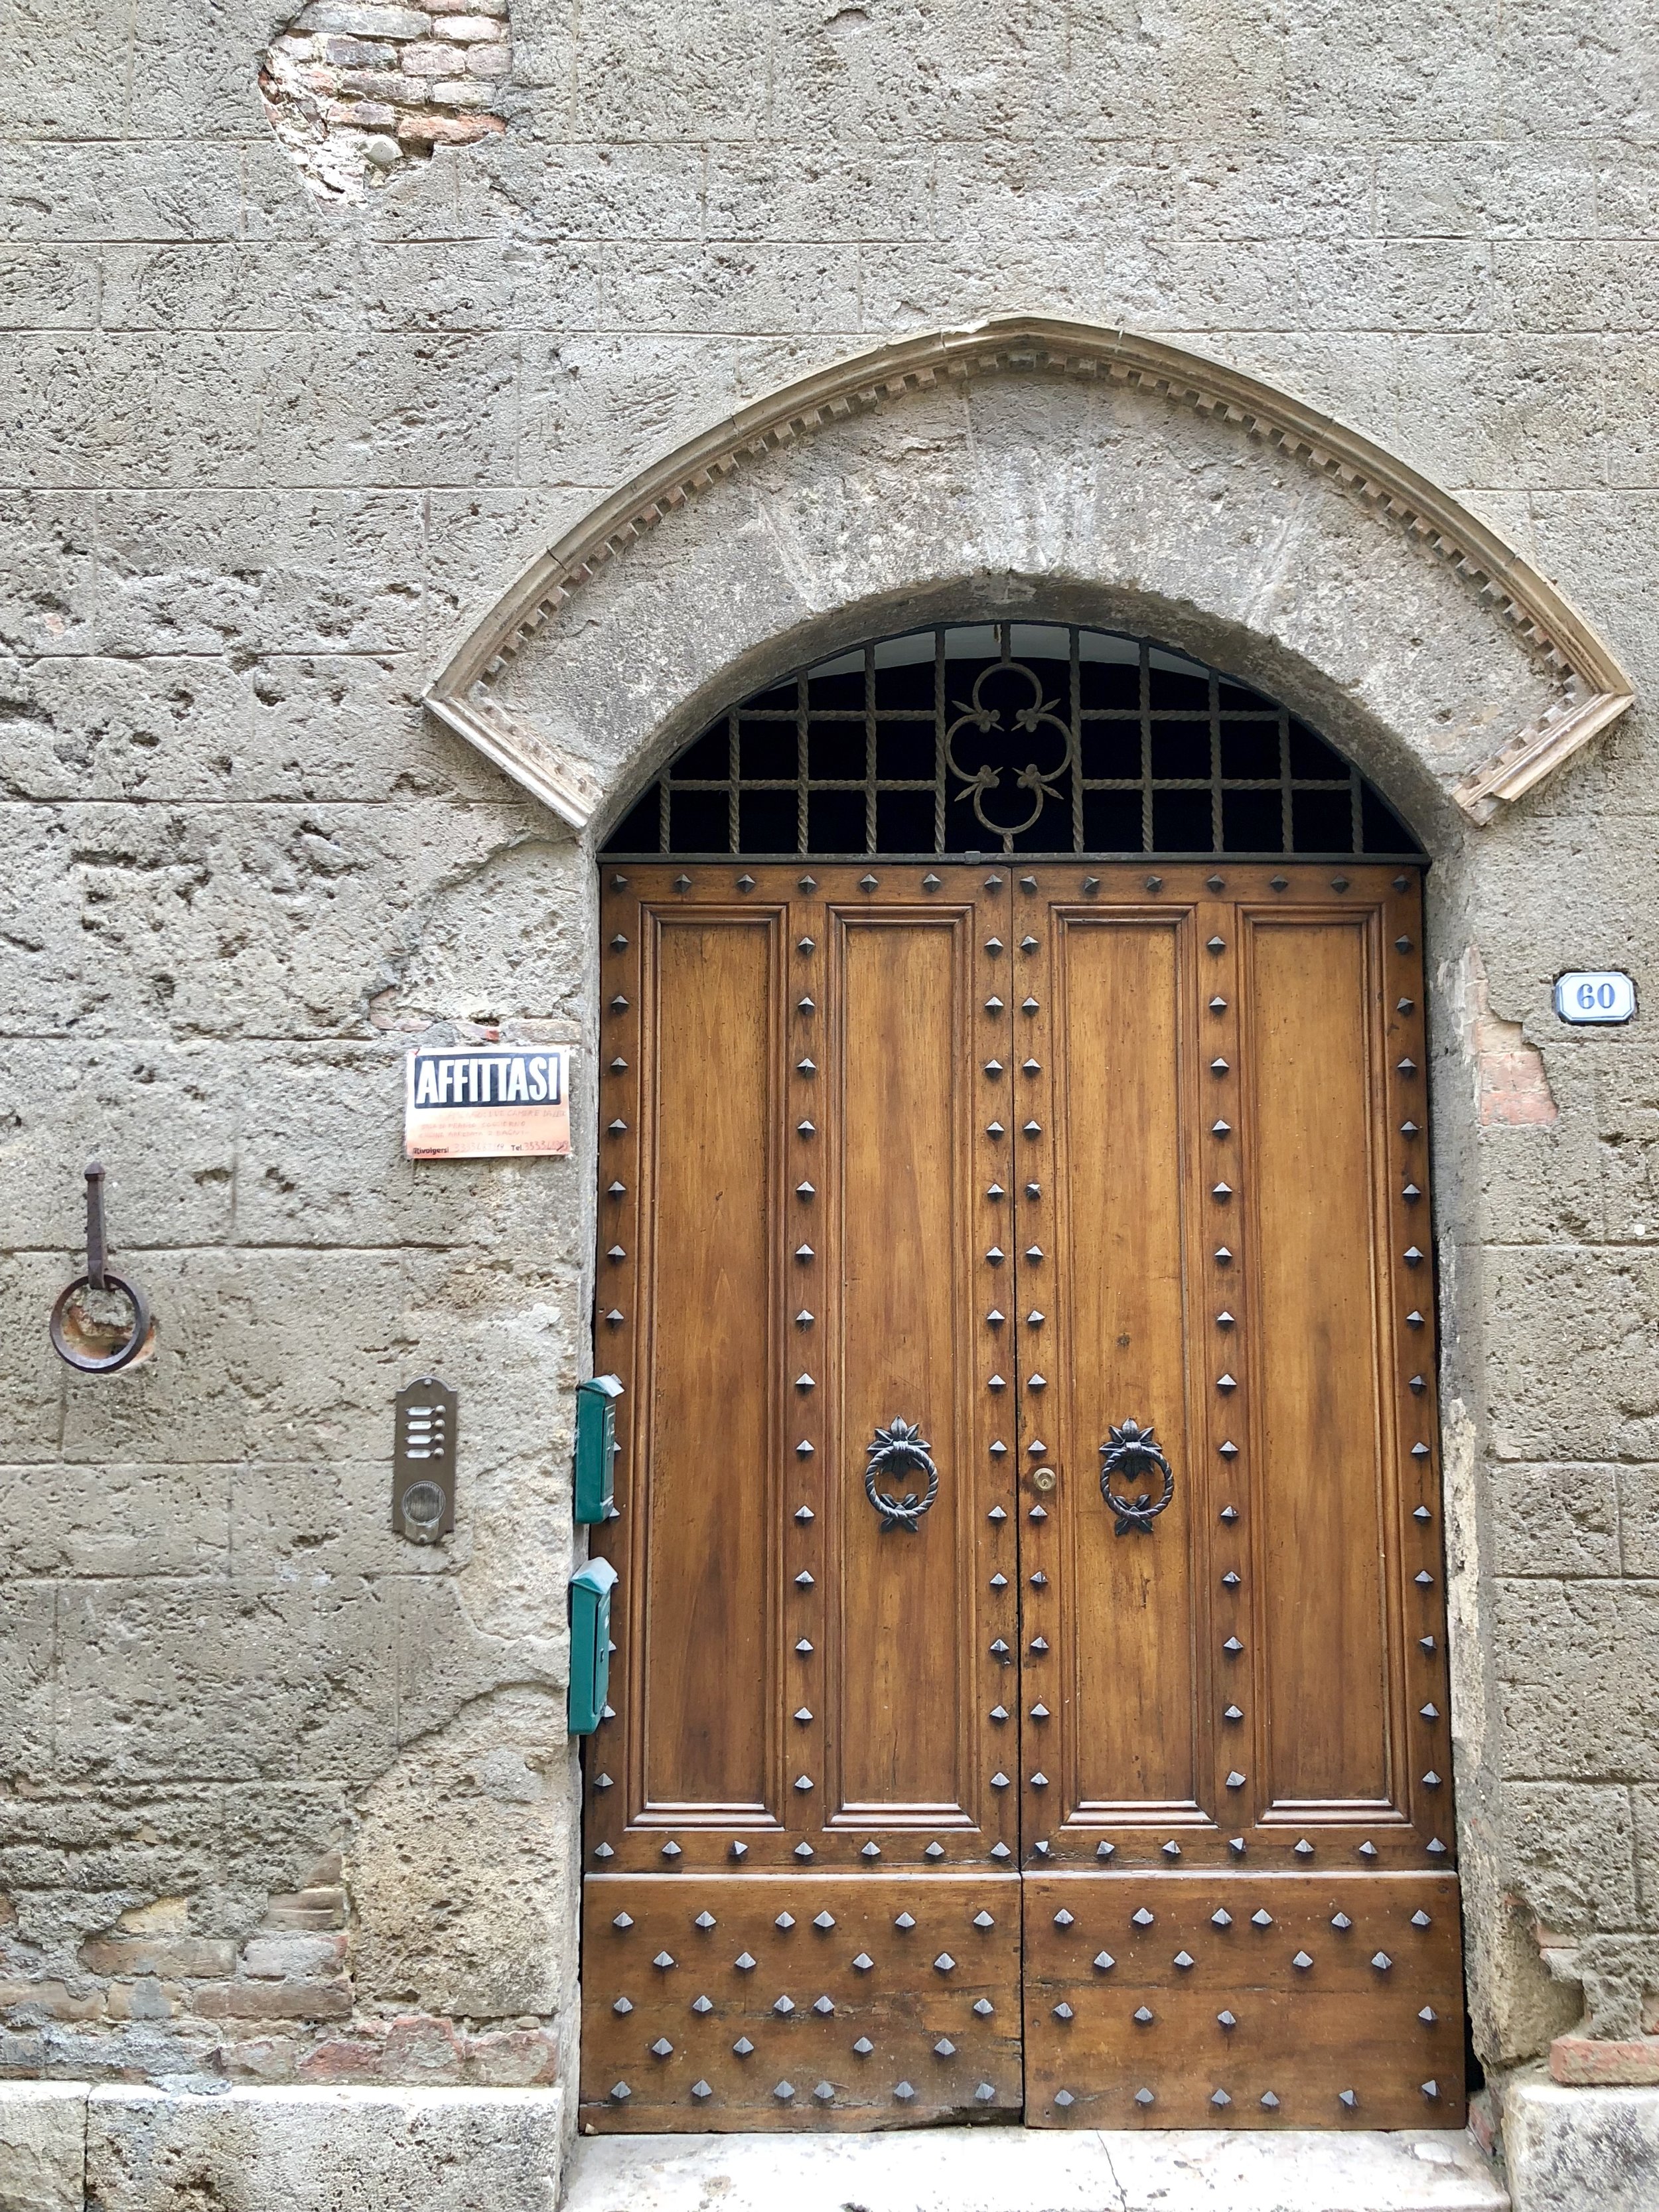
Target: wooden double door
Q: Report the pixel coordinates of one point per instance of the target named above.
(1028, 1698)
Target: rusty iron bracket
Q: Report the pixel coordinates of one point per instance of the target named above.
(74, 1335)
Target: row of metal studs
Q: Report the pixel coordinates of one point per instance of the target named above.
(785, 2091)
(1347, 2099)
(1407, 1072)
(620, 1142)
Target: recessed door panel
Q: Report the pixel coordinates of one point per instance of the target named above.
(1312, 1045)
(1103, 1328)
(707, 1512)
(905, 1204)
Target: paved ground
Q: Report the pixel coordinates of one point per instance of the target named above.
(1014, 2170)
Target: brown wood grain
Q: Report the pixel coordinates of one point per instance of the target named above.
(907, 1603)
(1312, 1138)
(1114, 2004)
(1113, 1346)
(1191, 1188)
(707, 1511)
(902, 1966)
(805, 1228)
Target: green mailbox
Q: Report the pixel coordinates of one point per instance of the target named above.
(590, 1644)
(596, 1446)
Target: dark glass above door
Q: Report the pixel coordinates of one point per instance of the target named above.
(1010, 736)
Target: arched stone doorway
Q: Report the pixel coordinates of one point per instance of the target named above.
(1040, 469)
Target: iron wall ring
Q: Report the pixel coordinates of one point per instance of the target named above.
(125, 1352)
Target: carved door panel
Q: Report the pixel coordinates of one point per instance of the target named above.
(1018, 1794)
(1238, 1905)
(803, 1897)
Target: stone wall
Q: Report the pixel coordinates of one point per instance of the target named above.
(282, 1799)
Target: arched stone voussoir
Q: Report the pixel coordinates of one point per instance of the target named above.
(1062, 470)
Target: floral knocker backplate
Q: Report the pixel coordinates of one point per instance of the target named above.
(1134, 1451)
(1007, 705)
(900, 1449)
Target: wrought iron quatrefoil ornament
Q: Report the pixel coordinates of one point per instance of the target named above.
(1036, 721)
(1135, 1451)
(899, 1449)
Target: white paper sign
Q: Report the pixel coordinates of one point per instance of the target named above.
(1595, 995)
(487, 1101)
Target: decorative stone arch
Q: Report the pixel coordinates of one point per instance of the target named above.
(1087, 473)
(1067, 473)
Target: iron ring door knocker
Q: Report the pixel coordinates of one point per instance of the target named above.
(1134, 1451)
(73, 1333)
(902, 1449)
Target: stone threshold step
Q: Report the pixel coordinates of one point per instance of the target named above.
(1033, 2170)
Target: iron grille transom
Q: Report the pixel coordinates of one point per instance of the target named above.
(1010, 736)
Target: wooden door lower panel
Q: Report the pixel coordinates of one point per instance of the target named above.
(1244, 2001)
(733, 2002)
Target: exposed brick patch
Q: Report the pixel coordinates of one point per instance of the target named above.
(416, 2047)
(183, 1958)
(356, 94)
(1581, 2060)
(1514, 1088)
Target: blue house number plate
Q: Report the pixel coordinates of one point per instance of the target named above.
(1595, 995)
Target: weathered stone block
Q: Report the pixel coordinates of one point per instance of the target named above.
(129, 411)
(1567, 2150)
(177, 1704)
(592, 192)
(314, 572)
(733, 287)
(1569, 1319)
(43, 2137)
(1579, 1696)
(639, 75)
(1531, 191)
(1554, 1519)
(327, 2149)
(46, 288)
(1524, 420)
(131, 189)
(1571, 1847)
